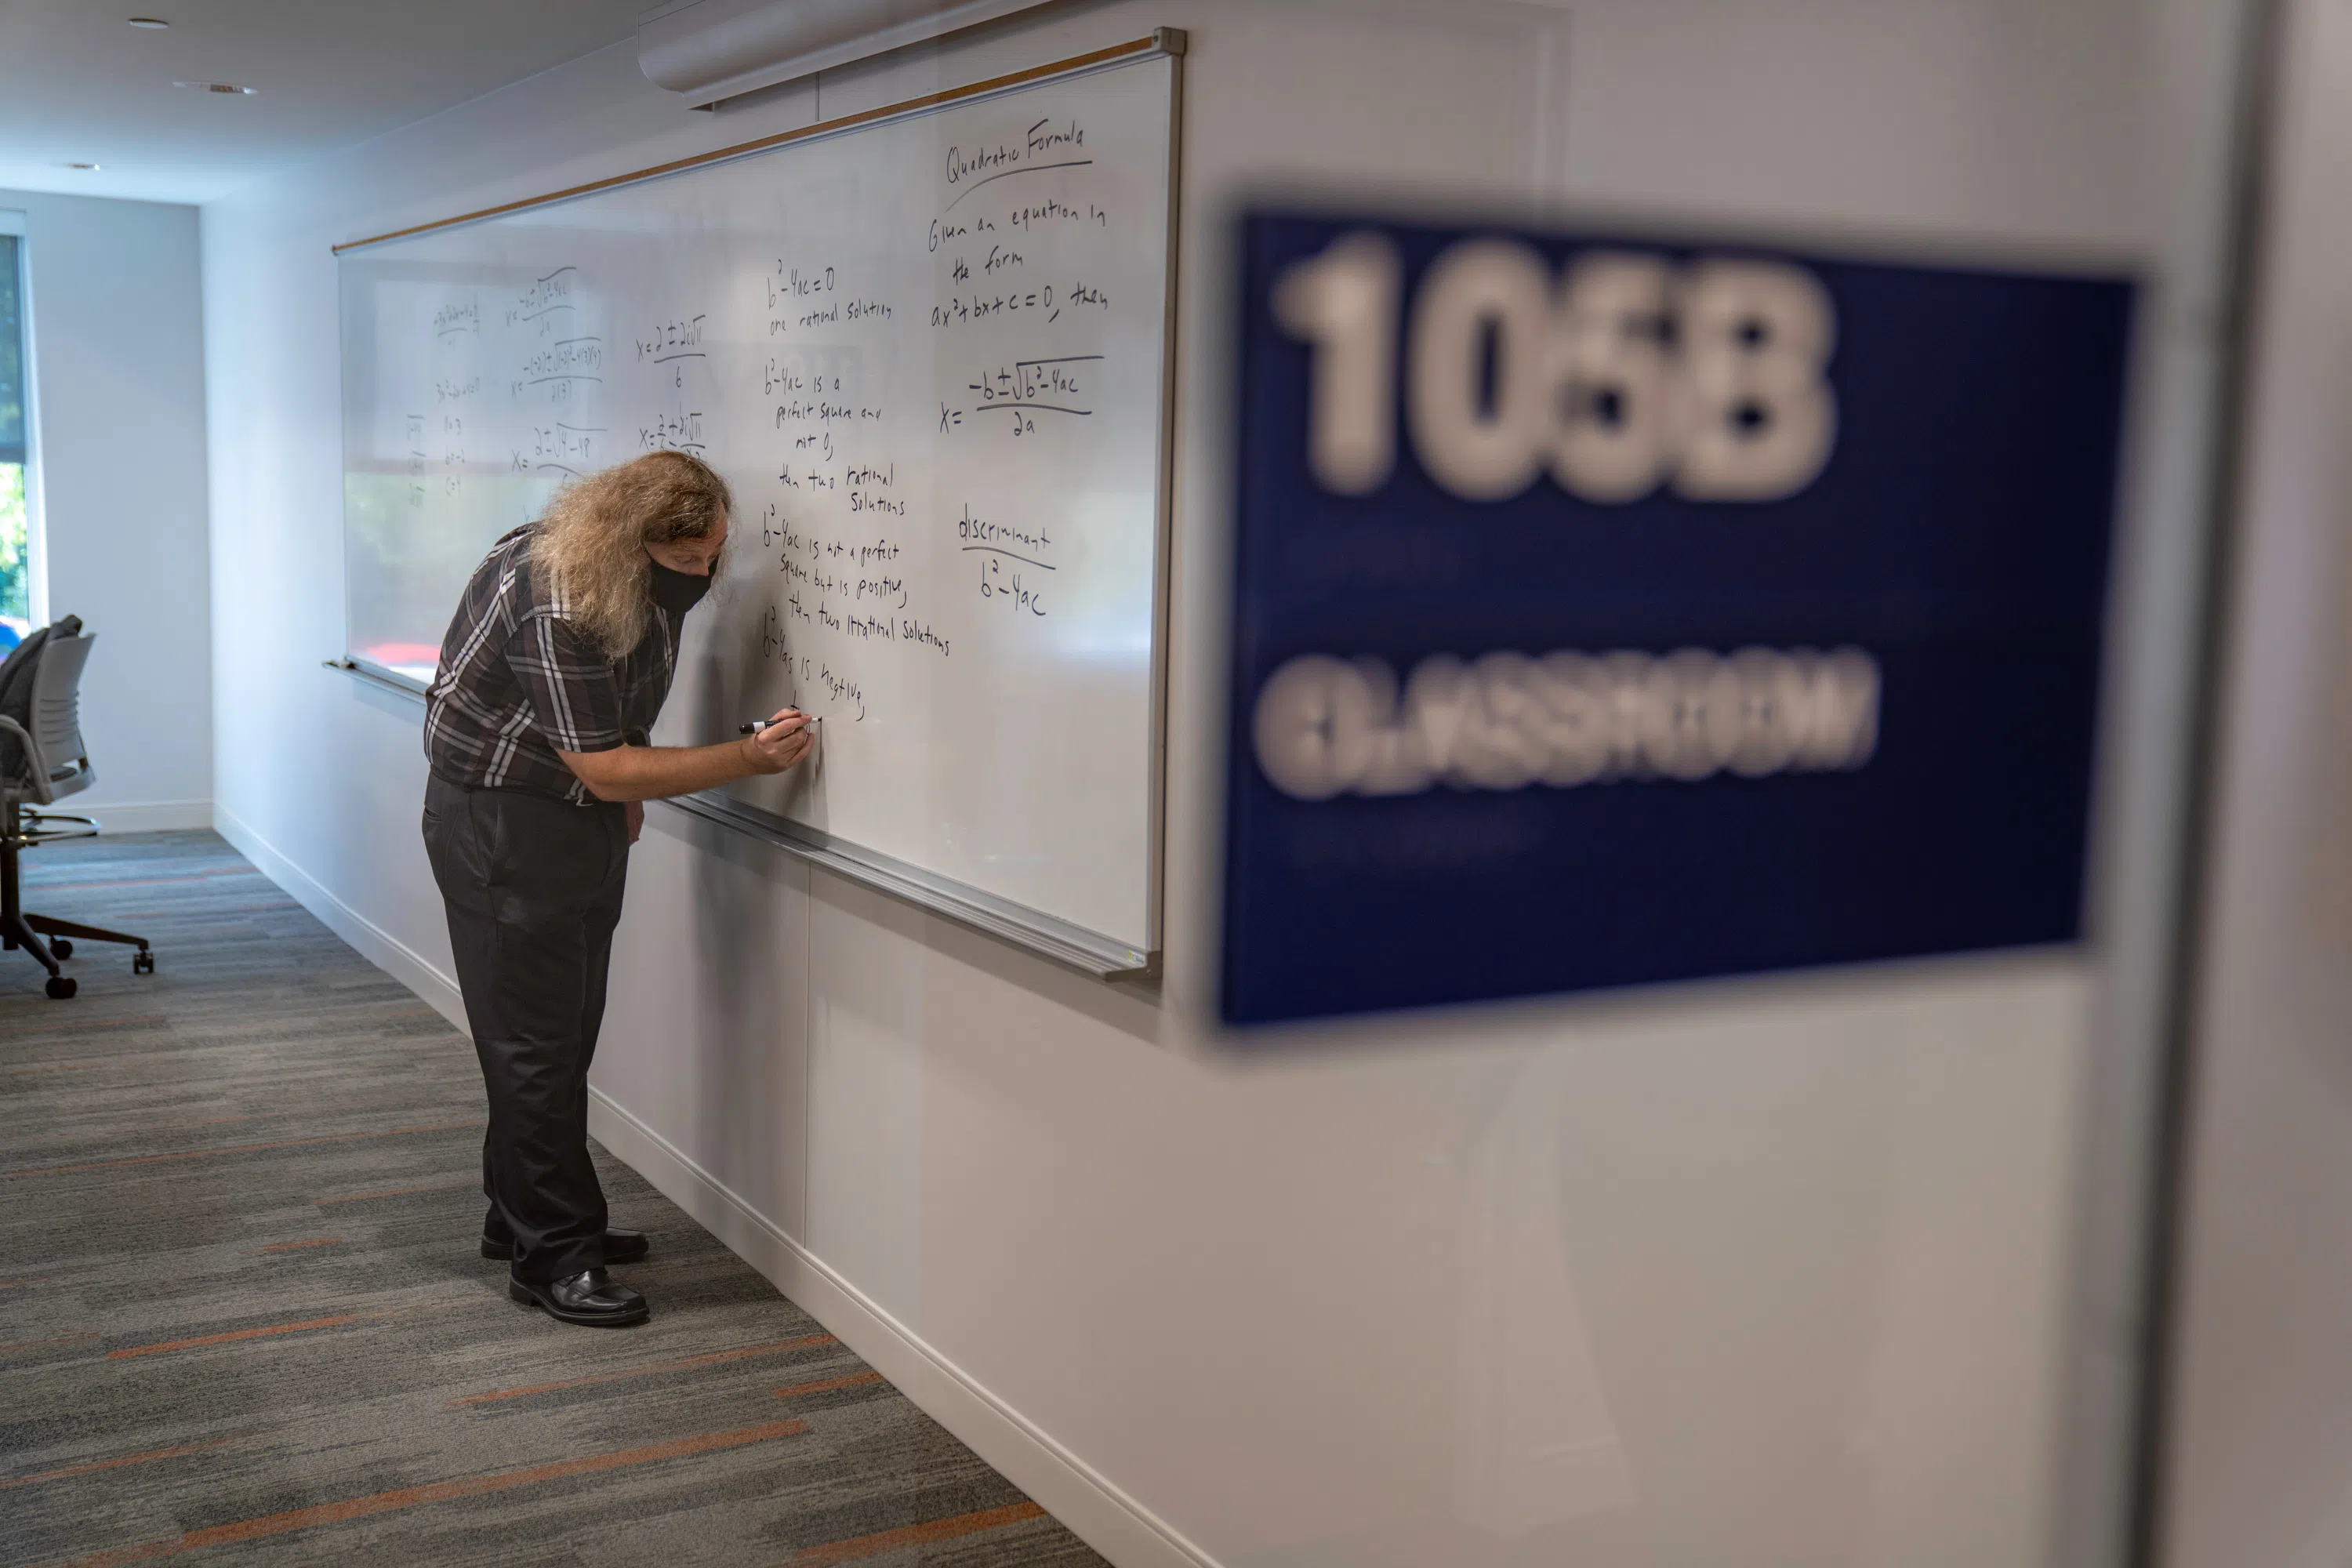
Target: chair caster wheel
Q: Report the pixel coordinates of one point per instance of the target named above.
(143, 963)
(62, 986)
(62, 947)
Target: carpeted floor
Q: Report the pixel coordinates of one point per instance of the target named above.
(242, 1319)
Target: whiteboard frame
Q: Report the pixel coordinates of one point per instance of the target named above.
(1080, 948)
(1089, 951)
(1167, 42)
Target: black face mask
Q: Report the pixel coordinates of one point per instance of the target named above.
(677, 592)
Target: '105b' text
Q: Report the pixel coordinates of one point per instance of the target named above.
(1627, 371)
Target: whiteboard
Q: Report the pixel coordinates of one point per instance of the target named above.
(930, 353)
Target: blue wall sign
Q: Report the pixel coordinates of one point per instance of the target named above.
(1610, 612)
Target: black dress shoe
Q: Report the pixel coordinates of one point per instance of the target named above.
(620, 1246)
(587, 1296)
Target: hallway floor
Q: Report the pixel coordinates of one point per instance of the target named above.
(242, 1318)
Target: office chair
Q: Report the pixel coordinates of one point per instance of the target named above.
(42, 760)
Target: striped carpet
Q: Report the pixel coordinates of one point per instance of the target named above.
(242, 1319)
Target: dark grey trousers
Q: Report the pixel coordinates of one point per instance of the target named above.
(532, 886)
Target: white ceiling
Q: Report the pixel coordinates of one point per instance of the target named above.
(78, 84)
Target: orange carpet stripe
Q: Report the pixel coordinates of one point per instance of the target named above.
(261, 1333)
(235, 1149)
(267, 1525)
(884, 1541)
(296, 1245)
(395, 1193)
(154, 1129)
(113, 1464)
(713, 1358)
(826, 1385)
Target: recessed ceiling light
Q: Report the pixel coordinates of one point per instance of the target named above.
(149, 22)
(85, 165)
(216, 87)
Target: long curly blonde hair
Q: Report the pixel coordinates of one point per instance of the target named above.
(589, 554)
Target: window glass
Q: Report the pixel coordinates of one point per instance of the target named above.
(15, 566)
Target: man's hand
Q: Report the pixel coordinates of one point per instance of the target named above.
(784, 742)
(650, 773)
(636, 809)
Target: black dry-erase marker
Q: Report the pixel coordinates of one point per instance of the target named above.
(756, 725)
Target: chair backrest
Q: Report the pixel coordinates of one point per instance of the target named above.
(56, 705)
(50, 708)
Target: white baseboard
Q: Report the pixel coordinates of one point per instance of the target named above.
(1095, 1511)
(372, 942)
(143, 815)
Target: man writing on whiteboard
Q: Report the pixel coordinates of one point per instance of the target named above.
(538, 729)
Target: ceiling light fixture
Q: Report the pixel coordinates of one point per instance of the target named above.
(149, 22)
(93, 167)
(216, 87)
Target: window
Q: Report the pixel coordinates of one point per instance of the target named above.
(16, 541)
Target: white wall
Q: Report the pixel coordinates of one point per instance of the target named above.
(1773, 1272)
(118, 383)
(2262, 1404)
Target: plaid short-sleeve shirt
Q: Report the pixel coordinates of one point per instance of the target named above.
(518, 683)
